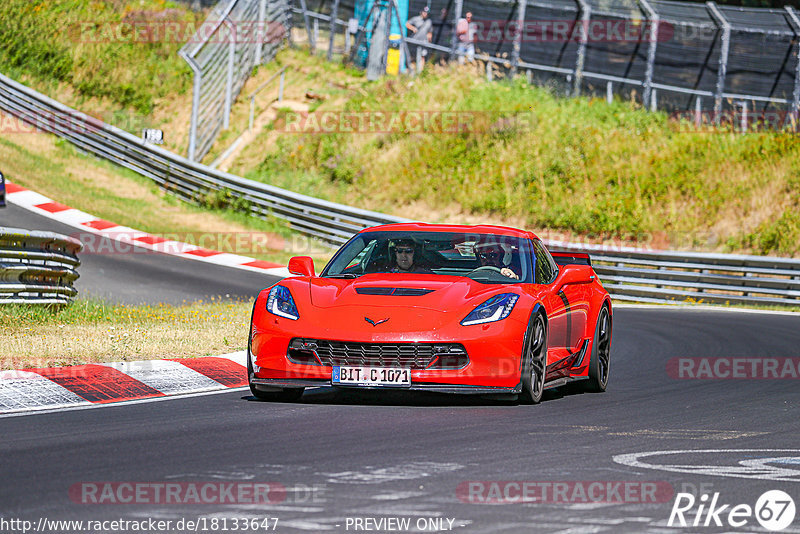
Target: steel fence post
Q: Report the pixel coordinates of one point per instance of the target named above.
(796, 91)
(654, 21)
(226, 119)
(334, 14)
(454, 37)
(586, 15)
(311, 42)
(197, 86)
(521, 6)
(717, 15)
(288, 14)
(261, 28)
(376, 59)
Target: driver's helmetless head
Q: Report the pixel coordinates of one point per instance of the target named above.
(404, 254)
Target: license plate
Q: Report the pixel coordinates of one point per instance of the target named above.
(371, 376)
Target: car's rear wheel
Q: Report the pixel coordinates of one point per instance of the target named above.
(599, 362)
(534, 361)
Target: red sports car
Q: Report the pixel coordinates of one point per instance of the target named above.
(457, 309)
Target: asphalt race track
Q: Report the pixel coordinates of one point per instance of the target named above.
(145, 277)
(338, 457)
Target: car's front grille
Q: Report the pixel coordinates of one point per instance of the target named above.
(405, 355)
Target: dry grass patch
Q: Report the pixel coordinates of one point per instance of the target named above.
(93, 331)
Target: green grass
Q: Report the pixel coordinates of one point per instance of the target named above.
(56, 43)
(582, 166)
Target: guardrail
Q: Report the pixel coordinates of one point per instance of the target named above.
(37, 267)
(329, 222)
(628, 274)
(658, 276)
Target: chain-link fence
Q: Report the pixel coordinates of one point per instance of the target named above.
(237, 35)
(705, 58)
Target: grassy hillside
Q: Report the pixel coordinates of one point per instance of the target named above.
(81, 45)
(569, 166)
(575, 168)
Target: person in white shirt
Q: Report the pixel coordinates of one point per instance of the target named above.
(465, 32)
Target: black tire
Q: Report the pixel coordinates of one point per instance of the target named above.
(534, 361)
(283, 395)
(599, 362)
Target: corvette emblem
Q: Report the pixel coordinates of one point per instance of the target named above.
(375, 323)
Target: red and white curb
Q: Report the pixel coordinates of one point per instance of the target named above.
(40, 204)
(101, 383)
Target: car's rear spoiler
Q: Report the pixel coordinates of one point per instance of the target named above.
(571, 258)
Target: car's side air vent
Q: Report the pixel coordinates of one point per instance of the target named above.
(394, 291)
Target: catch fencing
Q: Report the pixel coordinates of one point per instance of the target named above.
(718, 61)
(628, 274)
(236, 36)
(37, 267)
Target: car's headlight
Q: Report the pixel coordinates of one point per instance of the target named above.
(281, 303)
(496, 308)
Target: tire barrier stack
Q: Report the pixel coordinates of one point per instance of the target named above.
(37, 267)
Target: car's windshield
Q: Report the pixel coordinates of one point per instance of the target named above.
(486, 258)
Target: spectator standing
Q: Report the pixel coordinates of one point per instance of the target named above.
(465, 32)
(421, 29)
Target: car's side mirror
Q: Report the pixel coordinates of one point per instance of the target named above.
(574, 274)
(302, 266)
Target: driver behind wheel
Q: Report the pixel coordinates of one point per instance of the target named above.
(497, 255)
(403, 253)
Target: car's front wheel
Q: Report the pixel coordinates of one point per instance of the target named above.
(283, 395)
(534, 361)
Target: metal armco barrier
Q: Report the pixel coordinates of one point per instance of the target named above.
(659, 276)
(329, 222)
(37, 267)
(628, 274)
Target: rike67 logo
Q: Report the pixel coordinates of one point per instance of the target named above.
(774, 510)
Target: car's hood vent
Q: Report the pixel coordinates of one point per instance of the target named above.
(394, 291)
